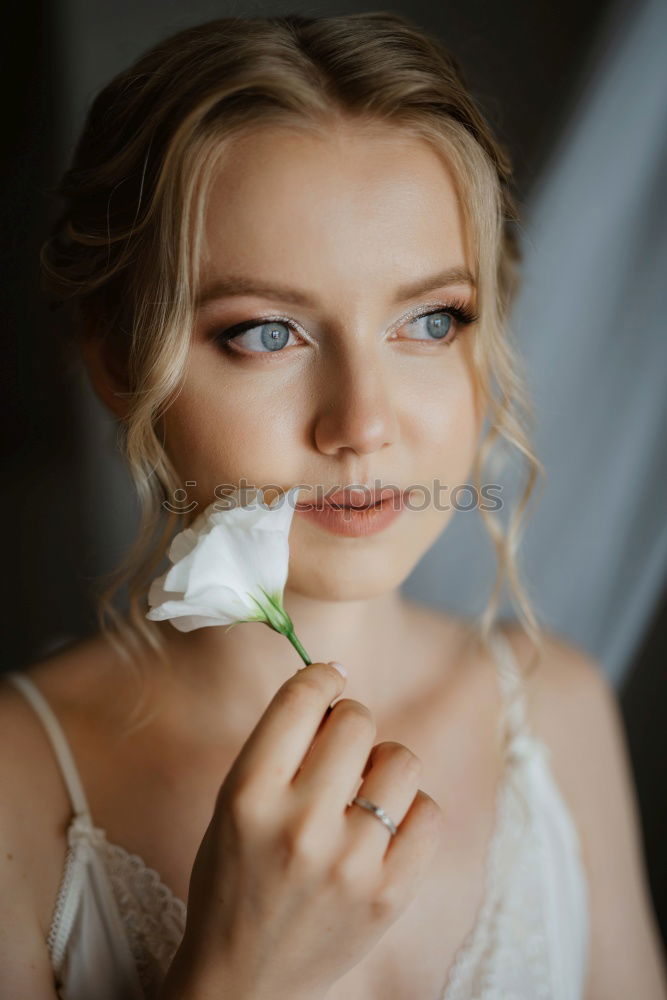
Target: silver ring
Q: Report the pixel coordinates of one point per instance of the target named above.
(377, 811)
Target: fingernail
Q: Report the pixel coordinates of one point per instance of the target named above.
(339, 667)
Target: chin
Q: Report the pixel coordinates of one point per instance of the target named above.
(348, 576)
(318, 586)
(347, 569)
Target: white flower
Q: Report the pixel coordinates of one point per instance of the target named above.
(229, 566)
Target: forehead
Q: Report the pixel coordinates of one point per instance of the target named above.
(354, 200)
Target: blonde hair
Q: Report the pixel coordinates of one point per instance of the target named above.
(125, 252)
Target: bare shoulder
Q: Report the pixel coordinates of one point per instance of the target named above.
(74, 674)
(34, 811)
(26, 757)
(570, 701)
(77, 682)
(34, 803)
(573, 707)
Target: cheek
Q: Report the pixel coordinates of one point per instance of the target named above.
(218, 434)
(444, 427)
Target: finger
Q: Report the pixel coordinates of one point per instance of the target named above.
(319, 730)
(410, 853)
(391, 782)
(277, 745)
(333, 766)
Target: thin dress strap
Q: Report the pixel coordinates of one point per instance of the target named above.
(511, 679)
(57, 737)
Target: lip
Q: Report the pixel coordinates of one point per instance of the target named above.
(357, 497)
(355, 520)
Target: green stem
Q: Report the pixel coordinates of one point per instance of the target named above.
(299, 648)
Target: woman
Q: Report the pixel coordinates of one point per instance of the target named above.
(288, 244)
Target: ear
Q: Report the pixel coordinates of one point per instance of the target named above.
(107, 378)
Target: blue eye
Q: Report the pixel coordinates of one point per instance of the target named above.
(270, 336)
(437, 324)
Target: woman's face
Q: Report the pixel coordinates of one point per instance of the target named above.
(339, 378)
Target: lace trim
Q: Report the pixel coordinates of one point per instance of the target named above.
(510, 910)
(57, 938)
(465, 954)
(153, 916)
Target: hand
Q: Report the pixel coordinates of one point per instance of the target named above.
(292, 885)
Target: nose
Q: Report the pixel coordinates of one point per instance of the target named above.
(357, 409)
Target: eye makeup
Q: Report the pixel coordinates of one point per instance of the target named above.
(460, 312)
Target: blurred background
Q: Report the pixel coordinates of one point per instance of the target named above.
(578, 92)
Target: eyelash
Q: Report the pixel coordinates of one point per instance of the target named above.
(460, 311)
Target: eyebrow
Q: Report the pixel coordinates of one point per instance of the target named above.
(233, 285)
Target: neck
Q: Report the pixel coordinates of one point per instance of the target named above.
(243, 666)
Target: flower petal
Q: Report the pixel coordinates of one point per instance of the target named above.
(224, 565)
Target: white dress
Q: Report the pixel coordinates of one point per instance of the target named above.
(116, 925)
